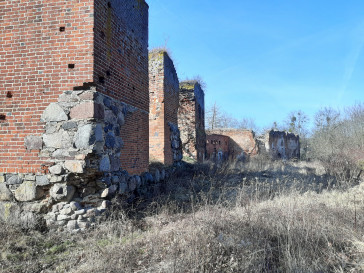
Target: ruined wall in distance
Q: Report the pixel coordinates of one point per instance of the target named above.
(191, 120)
(164, 139)
(217, 147)
(282, 145)
(242, 143)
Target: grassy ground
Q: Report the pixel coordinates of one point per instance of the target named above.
(256, 217)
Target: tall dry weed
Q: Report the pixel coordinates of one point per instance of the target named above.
(274, 219)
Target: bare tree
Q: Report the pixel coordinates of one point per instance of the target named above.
(213, 117)
(338, 141)
(297, 123)
(326, 117)
(216, 118)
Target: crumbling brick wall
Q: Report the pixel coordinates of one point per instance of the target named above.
(242, 143)
(282, 145)
(74, 106)
(121, 71)
(217, 147)
(40, 41)
(164, 137)
(191, 120)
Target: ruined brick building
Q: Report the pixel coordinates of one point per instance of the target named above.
(237, 144)
(77, 111)
(74, 103)
(191, 120)
(242, 144)
(217, 147)
(164, 136)
(280, 145)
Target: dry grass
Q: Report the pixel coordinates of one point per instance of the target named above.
(261, 218)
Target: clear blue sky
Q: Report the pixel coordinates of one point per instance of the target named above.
(263, 59)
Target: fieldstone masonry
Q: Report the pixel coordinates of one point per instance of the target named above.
(164, 136)
(191, 120)
(74, 108)
(82, 147)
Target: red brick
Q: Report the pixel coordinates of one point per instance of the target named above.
(34, 63)
(164, 102)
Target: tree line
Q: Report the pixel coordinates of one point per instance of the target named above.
(334, 137)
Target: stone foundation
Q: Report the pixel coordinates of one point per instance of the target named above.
(81, 148)
(176, 143)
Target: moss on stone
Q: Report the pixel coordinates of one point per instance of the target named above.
(7, 208)
(140, 4)
(187, 85)
(157, 54)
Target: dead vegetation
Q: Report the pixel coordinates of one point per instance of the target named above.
(260, 216)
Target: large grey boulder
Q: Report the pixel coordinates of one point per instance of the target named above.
(9, 211)
(28, 191)
(56, 169)
(57, 140)
(5, 193)
(82, 138)
(62, 192)
(13, 179)
(75, 166)
(99, 133)
(33, 142)
(105, 164)
(42, 180)
(54, 113)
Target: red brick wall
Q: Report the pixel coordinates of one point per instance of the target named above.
(171, 103)
(200, 127)
(34, 58)
(241, 142)
(164, 101)
(156, 109)
(121, 71)
(121, 51)
(106, 41)
(215, 144)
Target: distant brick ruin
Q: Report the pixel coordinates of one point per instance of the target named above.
(281, 145)
(191, 120)
(236, 144)
(217, 147)
(242, 143)
(74, 107)
(164, 137)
